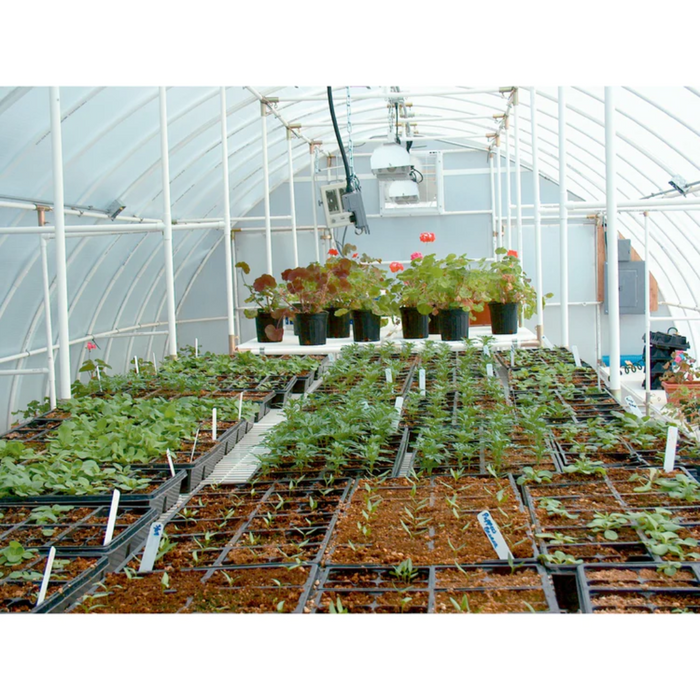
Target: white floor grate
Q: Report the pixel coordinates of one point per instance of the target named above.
(241, 463)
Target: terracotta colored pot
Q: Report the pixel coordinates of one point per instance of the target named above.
(676, 392)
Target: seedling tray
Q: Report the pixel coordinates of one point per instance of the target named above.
(17, 596)
(128, 537)
(639, 588)
(429, 589)
(160, 499)
(282, 388)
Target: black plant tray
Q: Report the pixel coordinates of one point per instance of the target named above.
(302, 383)
(282, 387)
(59, 600)
(124, 543)
(336, 581)
(160, 499)
(592, 592)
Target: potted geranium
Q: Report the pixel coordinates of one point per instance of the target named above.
(312, 286)
(509, 291)
(681, 381)
(271, 309)
(340, 293)
(368, 300)
(411, 293)
(455, 291)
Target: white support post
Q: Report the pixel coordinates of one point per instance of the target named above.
(563, 222)
(168, 225)
(494, 244)
(48, 324)
(230, 302)
(292, 203)
(538, 219)
(499, 193)
(611, 242)
(518, 188)
(60, 232)
(509, 238)
(647, 319)
(266, 184)
(312, 150)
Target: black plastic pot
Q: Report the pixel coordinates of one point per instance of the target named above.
(365, 326)
(262, 321)
(414, 324)
(338, 326)
(454, 324)
(295, 320)
(434, 325)
(504, 318)
(312, 328)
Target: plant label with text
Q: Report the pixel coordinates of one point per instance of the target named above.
(489, 370)
(671, 441)
(421, 381)
(632, 406)
(494, 534)
(151, 549)
(388, 375)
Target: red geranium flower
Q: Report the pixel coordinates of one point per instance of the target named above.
(332, 251)
(396, 266)
(354, 255)
(512, 253)
(91, 346)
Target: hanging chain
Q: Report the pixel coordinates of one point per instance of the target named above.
(348, 110)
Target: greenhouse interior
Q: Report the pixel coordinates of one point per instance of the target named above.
(349, 349)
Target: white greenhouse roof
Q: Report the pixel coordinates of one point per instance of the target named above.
(111, 151)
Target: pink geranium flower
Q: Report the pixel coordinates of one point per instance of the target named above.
(416, 256)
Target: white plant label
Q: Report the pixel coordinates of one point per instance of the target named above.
(512, 355)
(170, 462)
(194, 445)
(99, 377)
(489, 370)
(389, 377)
(136, 364)
(151, 549)
(486, 350)
(421, 381)
(577, 357)
(112, 519)
(546, 343)
(240, 405)
(155, 364)
(670, 456)
(632, 405)
(398, 405)
(494, 534)
(213, 424)
(196, 347)
(47, 576)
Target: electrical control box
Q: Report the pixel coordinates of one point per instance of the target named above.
(631, 285)
(333, 206)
